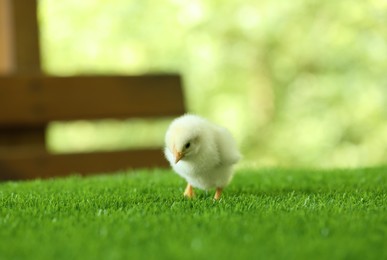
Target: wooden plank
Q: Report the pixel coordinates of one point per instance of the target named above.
(26, 37)
(6, 36)
(29, 101)
(22, 139)
(43, 165)
(19, 50)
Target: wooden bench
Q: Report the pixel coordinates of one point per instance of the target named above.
(28, 104)
(29, 100)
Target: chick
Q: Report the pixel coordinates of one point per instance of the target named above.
(202, 153)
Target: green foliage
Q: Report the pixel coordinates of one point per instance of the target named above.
(298, 83)
(270, 214)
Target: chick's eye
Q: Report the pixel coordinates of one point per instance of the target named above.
(187, 145)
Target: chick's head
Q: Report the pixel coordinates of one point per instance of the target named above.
(184, 143)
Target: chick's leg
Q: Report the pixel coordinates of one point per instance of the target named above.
(218, 193)
(189, 193)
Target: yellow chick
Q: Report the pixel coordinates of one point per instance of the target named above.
(202, 153)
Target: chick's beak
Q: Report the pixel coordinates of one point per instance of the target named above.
(178, 156)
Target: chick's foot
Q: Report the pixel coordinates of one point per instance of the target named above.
(189, 192)
(218, 193)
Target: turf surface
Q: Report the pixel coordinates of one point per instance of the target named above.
(264, 214)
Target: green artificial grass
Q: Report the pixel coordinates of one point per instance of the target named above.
(263, 214)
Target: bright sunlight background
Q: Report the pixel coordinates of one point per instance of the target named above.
(299, 83)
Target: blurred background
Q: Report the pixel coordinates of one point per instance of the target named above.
(299, 84)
